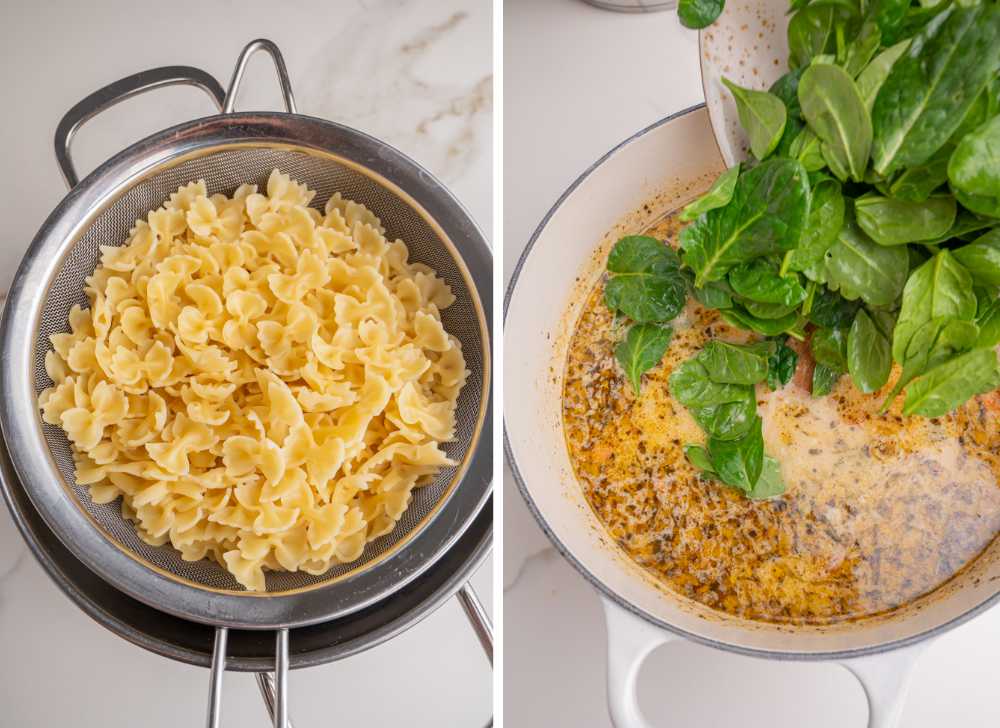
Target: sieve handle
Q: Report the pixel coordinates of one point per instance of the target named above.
(261, 44)
(116, 92)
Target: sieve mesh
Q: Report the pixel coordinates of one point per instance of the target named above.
(224, 171)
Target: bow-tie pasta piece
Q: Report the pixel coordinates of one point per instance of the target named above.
(256, 381)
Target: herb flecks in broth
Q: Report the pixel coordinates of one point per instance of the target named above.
(879, 508)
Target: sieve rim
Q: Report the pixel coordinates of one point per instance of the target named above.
(21, 425)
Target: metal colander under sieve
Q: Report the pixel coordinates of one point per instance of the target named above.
(226, 151)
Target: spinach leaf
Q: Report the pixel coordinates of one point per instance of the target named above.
(728, 421)
(941, 287)
(949, 385)
(644, 281)
(739, 462)
(823, 381)
(691, 385)
(781, 365)
(917, 183)
(871, 79)
(642, 349)
(768, 327)
(834, 110)
(829, 348)
(698, 456)
(979, 204)
(988, 323)
(831, 310)
(759, 281)
(889, 221)
(718, 195)
(932, 85)
(965, 224)
(860, 268)
(698, 14)
(807, 148)
(728, 363)
(765, 217)
(934, 342)
(889, 15)
(869, 356)
(769, 484)
(762, 115)
(765, 310)
(716, 294)
(974, 169)
(812, 31)
(826, 217)
(786, 88)
(982, 258)
(862, 48)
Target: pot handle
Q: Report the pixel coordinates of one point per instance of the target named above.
(116, 92)
(886, 680)
(885, 677)
(630, 640)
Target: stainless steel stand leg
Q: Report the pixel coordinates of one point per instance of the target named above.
(266, 684)
(215, 684)
(478, 618)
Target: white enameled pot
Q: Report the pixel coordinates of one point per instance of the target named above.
(648, 175)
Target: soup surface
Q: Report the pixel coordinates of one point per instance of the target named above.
(879, 509)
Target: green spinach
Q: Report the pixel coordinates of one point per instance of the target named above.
(781, 365)
(727, 363)
(889, 221)
(974, 169)
(948, 385)
(829, 349)
(642, 349)
(932, 85)
(982, 258)
(769, 484)
(698, 456)
(645, 282)
(826, 218)
(762, 115)
(718, 195)
(739, 462)
(759, 280)
(765, 216)
(698, 14)
(824, 379)
(693, 387)
(835, 111)
(858, 267)
(727, 421)
(869, 354)
(941, 287)
(871, 79)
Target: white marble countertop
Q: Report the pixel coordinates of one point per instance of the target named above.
(576, 82)
(416, 74)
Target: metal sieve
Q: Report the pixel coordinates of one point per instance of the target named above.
(228, 150)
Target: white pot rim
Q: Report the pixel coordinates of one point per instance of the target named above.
(603, 588)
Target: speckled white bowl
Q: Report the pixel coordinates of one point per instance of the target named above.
(748, 44)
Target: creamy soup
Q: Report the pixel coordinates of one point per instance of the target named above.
(879, 509)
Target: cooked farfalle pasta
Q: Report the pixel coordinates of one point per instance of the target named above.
(259, 383)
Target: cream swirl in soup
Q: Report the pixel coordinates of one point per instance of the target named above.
(879, 509)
